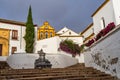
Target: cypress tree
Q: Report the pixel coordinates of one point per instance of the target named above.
(29, 36)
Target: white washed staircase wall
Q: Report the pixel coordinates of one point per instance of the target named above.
(80, 57)
(23, 60)
(105, 53)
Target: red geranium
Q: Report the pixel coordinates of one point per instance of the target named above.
(106, 30)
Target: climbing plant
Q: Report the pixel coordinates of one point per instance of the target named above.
(70, 47)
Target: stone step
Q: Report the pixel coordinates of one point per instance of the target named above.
(75, 72)
(4, 65)
(54, 75)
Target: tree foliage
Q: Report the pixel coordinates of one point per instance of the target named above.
(29, 36)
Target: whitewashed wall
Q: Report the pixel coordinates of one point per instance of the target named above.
(19, 60)
(116, 6)
(77, 40)
(22, 44)
(88, 32)
(49, 45)
(3, 58)
(62, 30)
(69, 33)
(80, 57)
(107, 12)
(105, 53)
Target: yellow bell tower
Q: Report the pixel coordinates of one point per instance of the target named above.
(45, 31)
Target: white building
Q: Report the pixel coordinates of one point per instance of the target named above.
(51, 45)
(66, 33)
(103, 54)
(14, 37)
(108, 12)
(87, 33)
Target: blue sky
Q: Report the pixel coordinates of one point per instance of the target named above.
(75, 14)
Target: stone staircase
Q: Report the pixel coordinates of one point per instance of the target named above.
(75, 72)
(4, 65)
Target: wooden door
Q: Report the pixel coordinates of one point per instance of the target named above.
(0, 49)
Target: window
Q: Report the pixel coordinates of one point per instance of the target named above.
(102, 22)
(69, 33)
(14, 34)
(14, 49)
(46, 34)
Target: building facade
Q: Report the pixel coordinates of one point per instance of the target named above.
(66, 33)
(103, 54)
(88, 33)
(108, 12)
(12, 37)
(45, 31)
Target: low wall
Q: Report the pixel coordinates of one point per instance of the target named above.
(24, 60)
(80, 57)
(3, 58)
(104, 54)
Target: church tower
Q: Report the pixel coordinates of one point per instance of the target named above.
(45, 31)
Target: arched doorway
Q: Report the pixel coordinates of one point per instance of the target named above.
(4, 47)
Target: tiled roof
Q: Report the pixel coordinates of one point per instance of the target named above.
(13, 22)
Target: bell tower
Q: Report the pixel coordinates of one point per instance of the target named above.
(45, 31)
